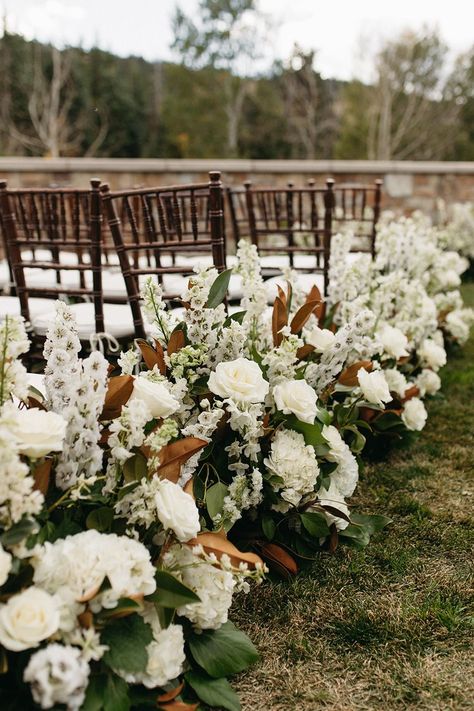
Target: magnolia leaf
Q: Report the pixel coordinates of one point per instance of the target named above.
(176, 341)
(304, 351)
(215, 496)
(333, 538)
(334, 511)
(312, 433)
(18, 532)
(218, 289)
(348, 377)
(170, 695)
(412, 392)
(116, 695)
(302, 316)
(357, 536)
(127, 639)
(118, 393)
(174, 455)
(314, 294)
(219, 545)
(214, 692)
(125, 606)
(134, 468)
(171, 592)
(282, 296)
(315, 524)
(222, 652)
(237, 316)
(268, 527)
(279, 320)
(279, 559)
(42, 474)
(178, 706)
(33, 402)
(372, 523)
(150, 355)
(100, 519)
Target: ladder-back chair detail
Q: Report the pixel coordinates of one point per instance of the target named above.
(162, 232)
(360, 205)
(295, 222)
(53, 238)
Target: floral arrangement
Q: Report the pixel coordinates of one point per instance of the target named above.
(138, 498)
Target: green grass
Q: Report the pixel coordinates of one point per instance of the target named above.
(390, 627)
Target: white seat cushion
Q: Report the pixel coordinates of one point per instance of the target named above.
(305, 282)
(10, 306)
(118, 320)
(4, 274)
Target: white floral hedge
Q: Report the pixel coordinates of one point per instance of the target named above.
(136, 500)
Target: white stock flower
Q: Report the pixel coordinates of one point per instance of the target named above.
(5, 564)
(58, 675)
(432, 354)
(321, 338)
(38, 432)
(397, 382)
(414, 414)
(240, 380)
(374, 387)
(393, 340)
(295, 464)
(177, 510)
(428, 382)
(156, 397)
(296, 397)
(27, 619)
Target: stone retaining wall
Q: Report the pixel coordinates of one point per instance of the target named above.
(408, 185)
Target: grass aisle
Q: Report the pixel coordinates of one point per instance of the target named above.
(391, 627)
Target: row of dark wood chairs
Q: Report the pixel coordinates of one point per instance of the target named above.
(57, 246)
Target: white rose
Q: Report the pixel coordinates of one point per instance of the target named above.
(337, 445)
(374, 387)
(428, 382)
(432, 355)
(414, 414)
(296, 397)
(321, 338)
(393, 340)
(177, 511)
(240, 379)
(333, 497)
(27, 619)
(156, 397)
(38, 432)
(397, 382)
(5, 565)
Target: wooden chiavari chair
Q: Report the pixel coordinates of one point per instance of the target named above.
(165, 232)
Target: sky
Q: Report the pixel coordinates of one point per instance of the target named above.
(344, 33)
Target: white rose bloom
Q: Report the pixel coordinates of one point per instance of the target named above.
(177, 510)
(337, 445)
(37, 432)
(27, 619)
(333, 497)
(397, 382)
(156, 397)
(432, 354)
(58, 675)
(428, 382)
(321, 338)
(295, 464)
(5, 564)
(374, 387)
(458, 324)
(166, 655)
(211, 583)
(346, 476)
(393, 340)
(240, 380)
(414, 414)
(296, 397)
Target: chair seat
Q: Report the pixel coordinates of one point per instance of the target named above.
(10, 306)
(305, 281)
(4, 274)
(118, 320)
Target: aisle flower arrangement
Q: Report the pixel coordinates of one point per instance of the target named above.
(138, 498)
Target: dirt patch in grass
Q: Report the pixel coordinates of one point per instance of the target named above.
(391, 627)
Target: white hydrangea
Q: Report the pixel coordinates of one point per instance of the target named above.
(58, 674)
(294, 464)
(213, 584)
(414, 414)
(79, 564)
(428, 382)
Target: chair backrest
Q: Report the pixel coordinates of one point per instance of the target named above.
(290, 221)
(237, 210)
(358, 205)
(165, 231)
(53, 238)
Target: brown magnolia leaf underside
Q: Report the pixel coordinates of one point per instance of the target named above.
(176, 342)
(218, 544)
(279, 559)
(170, 695)
(302, 315)
(174, 455)
(118, 393)
(348, 376)
(152, 356)
(279, 320)
(41, 475)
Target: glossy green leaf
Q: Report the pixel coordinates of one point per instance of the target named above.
(127, 639)
(213, 692)
(100, 519)
(222, 652)
(18, 532)
(218, 290)
(171, 592)
(315, 524)
(311, 433)
(215, 496)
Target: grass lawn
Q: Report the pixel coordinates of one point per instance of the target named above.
(390, 627)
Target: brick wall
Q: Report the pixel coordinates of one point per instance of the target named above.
(408, 185)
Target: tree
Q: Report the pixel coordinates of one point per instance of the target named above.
(225, 39)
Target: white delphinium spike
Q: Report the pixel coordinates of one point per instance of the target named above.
(254, 300)
(160, 319)
(13, 343)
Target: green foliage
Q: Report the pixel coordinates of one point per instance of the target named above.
(170, 592)
(222, 652)
(127, 639)
(214, 692)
